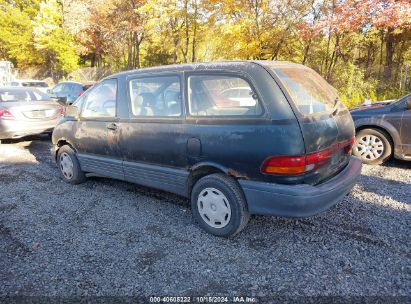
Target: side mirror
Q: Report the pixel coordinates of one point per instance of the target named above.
(62, 100)
(408, 103)
(72, 111)
(59, 100)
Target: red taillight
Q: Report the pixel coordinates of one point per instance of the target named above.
(294, 165)
(299, 164)
(317, 159)
(347, 145)
(62, 111)
(284, 165)
(4, 114)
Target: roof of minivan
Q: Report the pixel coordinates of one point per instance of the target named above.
(212, 65)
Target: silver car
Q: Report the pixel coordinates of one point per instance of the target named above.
(27, 111)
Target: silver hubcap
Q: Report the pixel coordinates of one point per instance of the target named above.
(370, 147)
(214, 208)
(66, 165)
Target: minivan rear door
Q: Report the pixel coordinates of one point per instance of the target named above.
(325, 122)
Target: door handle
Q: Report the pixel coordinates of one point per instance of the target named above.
(112, 126)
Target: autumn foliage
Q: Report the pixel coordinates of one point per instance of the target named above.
(362, 47)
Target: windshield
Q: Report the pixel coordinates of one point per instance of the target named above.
(12, 95)
(401, 99)
(309, 91)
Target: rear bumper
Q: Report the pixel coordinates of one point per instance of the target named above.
(17, 128)
(300, 200)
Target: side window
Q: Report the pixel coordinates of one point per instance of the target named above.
(101, 100)
(58, 88)
(77, 89)
(68, 88)
(405, 105)
(156, 96)
(222, 95)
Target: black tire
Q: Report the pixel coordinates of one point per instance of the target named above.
(234, 197)
(386, 149)
(77, 176)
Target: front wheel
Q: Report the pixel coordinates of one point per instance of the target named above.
(219, 206)
(69, 166)
(372, 146)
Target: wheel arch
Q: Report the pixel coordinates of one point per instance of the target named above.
(63, 142)
(387, 128)
(203, 169)
(363, 127)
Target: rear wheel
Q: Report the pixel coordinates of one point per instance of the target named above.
(372, 146)
(69, 166)
(219, 206)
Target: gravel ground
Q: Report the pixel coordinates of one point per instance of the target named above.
(107, 237)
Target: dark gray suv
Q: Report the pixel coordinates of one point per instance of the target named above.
(383, 130)
(284, 148)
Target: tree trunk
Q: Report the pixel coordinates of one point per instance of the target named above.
(327, 55)
(398, 63)
(129, 53)
(306, 50)
(176, 38)
(367, 62)
(193, 47)
(333, 56)
(93, 60)
(389, 49)
(381, 51)
(137, 47)
(329, 40)
(187, 32)
(277, 49)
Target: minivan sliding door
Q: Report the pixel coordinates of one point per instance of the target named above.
(153, 142)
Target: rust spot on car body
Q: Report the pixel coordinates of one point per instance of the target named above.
(236, 174)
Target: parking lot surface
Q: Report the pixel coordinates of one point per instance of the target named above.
(107, 237)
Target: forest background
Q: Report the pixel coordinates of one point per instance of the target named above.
(363, 48)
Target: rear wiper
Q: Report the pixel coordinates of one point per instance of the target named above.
(335, 107)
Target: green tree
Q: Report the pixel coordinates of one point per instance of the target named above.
(16, 42)
(52, 42)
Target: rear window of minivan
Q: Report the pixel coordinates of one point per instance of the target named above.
(309, 91)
